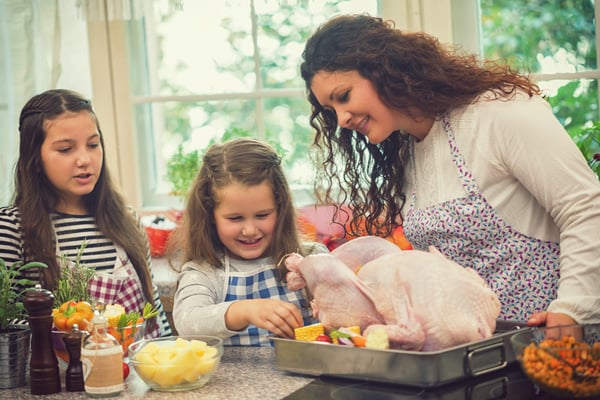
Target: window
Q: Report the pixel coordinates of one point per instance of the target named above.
(195, 76)
(555, 41)
(563, 58)
(185, 75)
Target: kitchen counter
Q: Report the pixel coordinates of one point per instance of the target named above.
(244, 373)
(251, 373)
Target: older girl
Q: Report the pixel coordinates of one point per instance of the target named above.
(64, 197)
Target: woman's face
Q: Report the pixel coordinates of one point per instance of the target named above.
(358, 107)
(72, 158)
(245, 218)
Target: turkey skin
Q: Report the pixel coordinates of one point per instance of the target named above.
(424, 301)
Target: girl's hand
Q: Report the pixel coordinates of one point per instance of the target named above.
(550, 319)
(276, 316)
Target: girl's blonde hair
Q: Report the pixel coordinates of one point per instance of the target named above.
(246, 161)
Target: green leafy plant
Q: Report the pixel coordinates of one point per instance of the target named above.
(12, 288)
(183, 165)
(181, 170)
(588, 142)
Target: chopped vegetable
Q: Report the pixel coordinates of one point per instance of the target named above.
(353, 329)
(324, 338)
(378, 339)
(127, 327)
(336, 334)
(540, 361)
(359, 341)
(149, 311)
(309, 333)
(113, 313)
(353, 333)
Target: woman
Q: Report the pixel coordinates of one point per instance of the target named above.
(467, 155)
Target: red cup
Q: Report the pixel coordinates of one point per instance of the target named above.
(158, 238)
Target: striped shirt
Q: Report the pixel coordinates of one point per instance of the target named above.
(71, 232)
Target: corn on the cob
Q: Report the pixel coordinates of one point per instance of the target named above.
(309, 333)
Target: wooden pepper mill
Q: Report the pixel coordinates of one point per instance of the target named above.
(74, 374)
(44, 375)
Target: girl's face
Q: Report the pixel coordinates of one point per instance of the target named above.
(358, 107)
(245, 217)
(71, 157)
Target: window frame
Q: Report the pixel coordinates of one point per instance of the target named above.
(452, 21)
(466, 32)
(115, 103)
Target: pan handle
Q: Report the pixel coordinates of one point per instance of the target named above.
(484, 359)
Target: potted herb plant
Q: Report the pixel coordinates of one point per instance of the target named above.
(14, 332)
(182, 167)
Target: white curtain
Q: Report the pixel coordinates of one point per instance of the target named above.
(28, 45)
(43, 45)
(113, 10)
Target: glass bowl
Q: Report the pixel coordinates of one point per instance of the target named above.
(564, 361)
(60, 350)
(127, 335)
(176, 363)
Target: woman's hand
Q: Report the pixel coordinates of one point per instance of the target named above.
(276, 316)
(550, 319)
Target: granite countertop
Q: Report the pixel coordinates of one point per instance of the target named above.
(244, 373)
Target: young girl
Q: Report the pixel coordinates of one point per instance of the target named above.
(465, 153)
(238, 225)
(64, 197)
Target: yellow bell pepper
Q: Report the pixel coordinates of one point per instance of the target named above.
(72, 312)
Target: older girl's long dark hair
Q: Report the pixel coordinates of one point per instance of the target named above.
(36, 197)
(410, 71)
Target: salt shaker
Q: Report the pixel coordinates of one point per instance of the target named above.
(74, 373)
(44, 375)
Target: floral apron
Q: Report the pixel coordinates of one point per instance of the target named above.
(121, 286)
(261, 283)
(523, 271)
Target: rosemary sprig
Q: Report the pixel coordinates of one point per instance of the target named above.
(73, 281)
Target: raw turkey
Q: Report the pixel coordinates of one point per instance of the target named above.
(424, 301)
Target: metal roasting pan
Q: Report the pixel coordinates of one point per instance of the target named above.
(411, 368)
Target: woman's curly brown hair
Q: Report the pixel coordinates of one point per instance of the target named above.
(410, 71)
